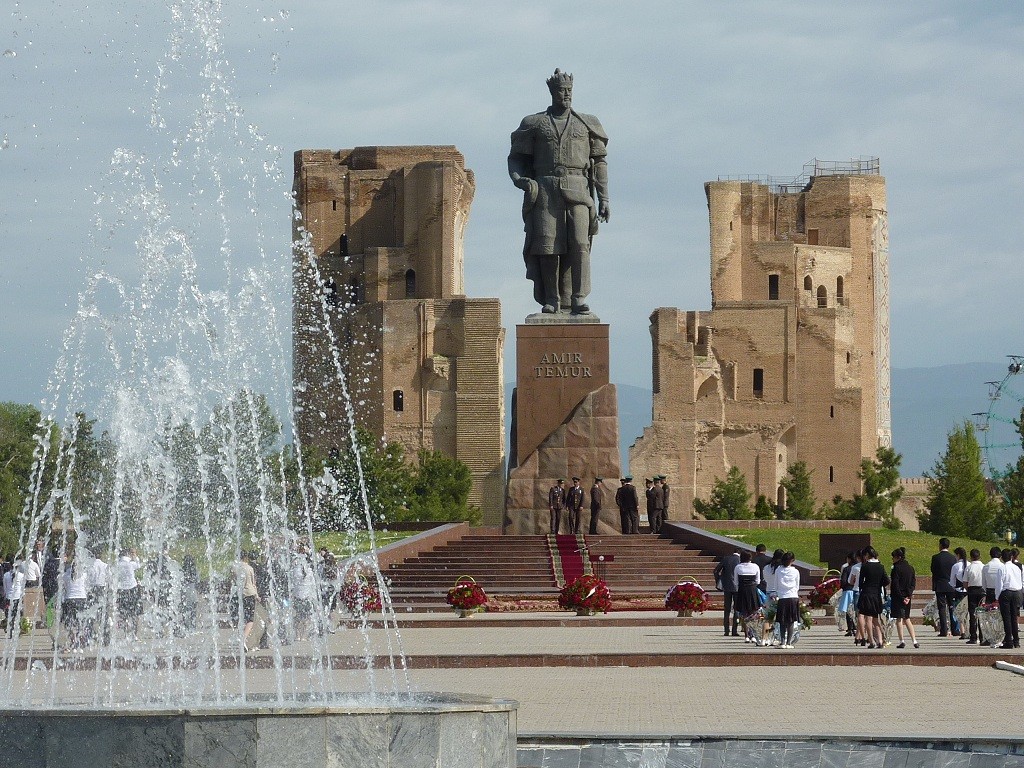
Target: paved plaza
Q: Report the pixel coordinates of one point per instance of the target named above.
(734, 689)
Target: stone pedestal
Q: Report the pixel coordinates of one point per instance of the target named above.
(424, 729)
(564, 423)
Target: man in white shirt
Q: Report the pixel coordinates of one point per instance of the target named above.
(1010, 599)
(98, 580)
(992, 575)
(129, 596)
(973, 580)
(33, 607)
(14, 591)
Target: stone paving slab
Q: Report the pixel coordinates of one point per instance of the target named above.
(666, 700)
(587, 642)
(750, 702)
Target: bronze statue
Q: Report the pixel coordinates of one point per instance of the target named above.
(558, 160)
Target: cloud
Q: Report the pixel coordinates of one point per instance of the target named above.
(688, 91)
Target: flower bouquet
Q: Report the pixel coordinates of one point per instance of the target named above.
(26, 626)
(586, 595)
(990, 622)
(768, 613)
(822, 594)
(687, 597)
(358, 597)
(930, 612)
(806, 621)
(467, 597)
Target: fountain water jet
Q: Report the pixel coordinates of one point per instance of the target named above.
(192, 470)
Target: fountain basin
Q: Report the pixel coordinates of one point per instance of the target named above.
(417, 731)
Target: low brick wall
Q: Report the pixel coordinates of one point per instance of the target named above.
(736, 525)
(421, 542)
(713, 544)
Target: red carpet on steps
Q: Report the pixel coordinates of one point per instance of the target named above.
(572, 560)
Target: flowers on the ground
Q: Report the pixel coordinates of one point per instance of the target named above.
(466, 595)
(586, 593)
(358, 597)
(805, 616)
(930, 612)
(823, 592)
(687, 596)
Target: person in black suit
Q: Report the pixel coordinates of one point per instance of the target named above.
(942, 565)
(574, 505)
(903, 581)
(761, 559)
(870, 583)
(725, 575)
(596, 502)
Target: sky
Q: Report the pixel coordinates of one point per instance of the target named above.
(687, 91)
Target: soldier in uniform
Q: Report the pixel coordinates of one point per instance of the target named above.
(556, 503)
(596, 502)
(574, 505)
(558, 160)
(649, 492)
(659, 505)
(629, 505)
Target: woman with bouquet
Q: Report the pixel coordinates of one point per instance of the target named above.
(904, 580)
(871, 581)
(748, 601)
(787, 584)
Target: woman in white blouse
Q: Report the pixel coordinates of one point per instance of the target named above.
(787, 584)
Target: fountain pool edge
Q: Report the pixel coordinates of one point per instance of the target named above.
(427, 730)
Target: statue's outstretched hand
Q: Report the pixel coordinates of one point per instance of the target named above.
(604, 211)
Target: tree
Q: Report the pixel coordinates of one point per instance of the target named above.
(23, 434)
(880, 479)
(440, 490)
(1010, 514)
(240, 449)
(372, 464)
(800, 501)
(882, 489)
(90, 489)
(17, 430)
(435, 489)
(958, 502)
(763, 509)
(729, 499)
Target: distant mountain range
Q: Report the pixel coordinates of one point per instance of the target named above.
(926, 404)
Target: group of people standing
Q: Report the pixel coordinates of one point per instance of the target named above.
(95, 600)
(750, 580)
(958, 576)
(76, 588)
(863, 581)
(572, 500)
(870, 590)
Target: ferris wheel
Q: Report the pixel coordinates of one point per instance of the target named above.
(1000, 424)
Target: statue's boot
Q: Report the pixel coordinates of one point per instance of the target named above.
(579, 271)
(549, 271)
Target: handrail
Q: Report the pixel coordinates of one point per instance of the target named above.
(861, 166)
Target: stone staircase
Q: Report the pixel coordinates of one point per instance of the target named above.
(644, 566)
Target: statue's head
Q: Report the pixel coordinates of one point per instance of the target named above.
(560, 85)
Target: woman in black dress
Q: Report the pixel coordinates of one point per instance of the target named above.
(903, 582)
(871, 581)
(748, 575)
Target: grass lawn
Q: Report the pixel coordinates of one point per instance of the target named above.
(343, 544)
(804, 544)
